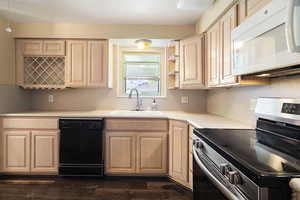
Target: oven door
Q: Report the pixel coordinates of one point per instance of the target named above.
(209, 183)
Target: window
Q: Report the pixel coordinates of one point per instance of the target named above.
(142, 70)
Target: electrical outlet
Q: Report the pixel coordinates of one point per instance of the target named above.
(50, 98)
(252, 104)
(184, 99)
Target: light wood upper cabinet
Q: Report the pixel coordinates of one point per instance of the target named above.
(97, 71)
(213, 55)
(252, 6)
(246, 8)
(228, 22)
(120, 152)
(87, 63)
(43, 47)
(76, 63)
(192, 63)
(152, 152)
(178, 151)
(54, 47)
(32, 47)
(44, 154)
(16, 151)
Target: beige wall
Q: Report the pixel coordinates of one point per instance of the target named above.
(105, 99)
(59, 30)
(211, 14)
(12, 98)
(235, 103)
(6, 55)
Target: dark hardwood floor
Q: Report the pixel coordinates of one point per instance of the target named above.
(110, 188)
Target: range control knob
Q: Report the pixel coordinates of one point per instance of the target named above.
(234, 178)
(198, 144)
(224, 168)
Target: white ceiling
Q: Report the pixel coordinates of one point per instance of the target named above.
(101, 11)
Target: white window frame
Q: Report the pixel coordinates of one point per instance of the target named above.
(120, 68)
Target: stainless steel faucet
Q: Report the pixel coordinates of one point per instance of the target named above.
(138, 99)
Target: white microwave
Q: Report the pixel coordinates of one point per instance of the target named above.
(268, 40)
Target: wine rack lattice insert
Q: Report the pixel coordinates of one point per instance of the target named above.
(44, 71)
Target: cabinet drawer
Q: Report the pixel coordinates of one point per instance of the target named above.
(137, 124)
(30, 123)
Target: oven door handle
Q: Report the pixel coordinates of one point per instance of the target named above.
(216, 182)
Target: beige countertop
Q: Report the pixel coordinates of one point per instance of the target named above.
(198, 120)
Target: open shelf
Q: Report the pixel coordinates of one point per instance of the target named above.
(173, 65)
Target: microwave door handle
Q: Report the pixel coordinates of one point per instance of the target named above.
(290, 32)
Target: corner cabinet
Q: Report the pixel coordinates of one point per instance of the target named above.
(178, 151)
(192, 63)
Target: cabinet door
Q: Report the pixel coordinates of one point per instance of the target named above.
(76, 63)
(97, 71)
(191, 63)
(213, 55)
(152, 153)
(178, 151)
(242, 11)
(120, 152)
(255, 5)
(33, 47)
(44, 151)
(228, 23)
(191, 128)
(54, 47)
(16, 151)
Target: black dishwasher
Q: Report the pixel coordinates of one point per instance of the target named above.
(81, 147)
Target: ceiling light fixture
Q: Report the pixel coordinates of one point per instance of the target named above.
(143, 43)
(8, 29)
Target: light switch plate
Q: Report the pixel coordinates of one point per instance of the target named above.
(184, 99)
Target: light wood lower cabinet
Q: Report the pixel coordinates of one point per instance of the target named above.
(30, 151)
(178, 151)
(16, 151)
(120, 152)
(136, 153)
(190, 183)
(44, 151)
(152, 153)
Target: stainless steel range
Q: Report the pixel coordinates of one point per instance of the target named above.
(250, 164)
